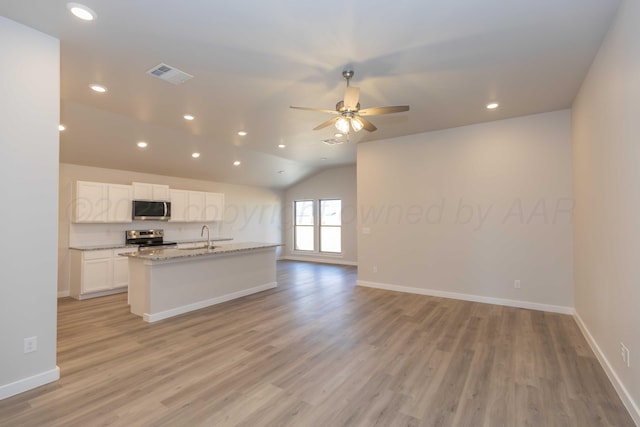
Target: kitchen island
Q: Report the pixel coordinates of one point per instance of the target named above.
(171, 281)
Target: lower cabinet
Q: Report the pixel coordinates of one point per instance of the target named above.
(97, 273)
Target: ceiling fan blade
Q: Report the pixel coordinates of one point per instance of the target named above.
(315, 109)
(366, 124)
(327, 123)
(351, 98)
(376, 111)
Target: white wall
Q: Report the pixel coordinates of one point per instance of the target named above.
(465, 212)
(338, 183)
(606, 155)
(252, 214)
(29, 117)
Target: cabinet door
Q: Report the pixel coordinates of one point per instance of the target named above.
(119, 203)
(142, 191)
(178, 205)
(195, 207)
(120, 271)
(91, 202)
(160, 193)
(96, 275)
(214, 207)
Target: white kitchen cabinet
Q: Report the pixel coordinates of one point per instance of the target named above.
(120, 268)
(179, 201)
(91, 201)
(214, 207)
(98, 272)
(196, 206)
(154, 192)
(119, 203)
(97, 202)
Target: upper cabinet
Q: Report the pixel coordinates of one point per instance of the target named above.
(196, 206)
(97, 202)
(155, 192)
(213, 207)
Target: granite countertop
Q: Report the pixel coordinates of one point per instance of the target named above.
(124, 245)
(165, 254)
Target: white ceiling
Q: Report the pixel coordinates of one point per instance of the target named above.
(252, 59)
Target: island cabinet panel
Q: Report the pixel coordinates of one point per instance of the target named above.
(155, 192)
(97, 202)
(196, 206)
(98, 272)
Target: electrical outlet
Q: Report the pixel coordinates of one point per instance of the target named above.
(624, 353)
(375, 268)
(516, 284)
(30, 344)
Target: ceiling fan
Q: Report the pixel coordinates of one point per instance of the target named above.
(349, 112)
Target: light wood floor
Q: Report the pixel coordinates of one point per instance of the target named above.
(319, 351)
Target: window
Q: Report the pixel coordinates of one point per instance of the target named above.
(304, 225)
(327, 231)
(331, 226)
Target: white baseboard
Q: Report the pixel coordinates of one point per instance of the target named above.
(62, 294)
(469, 297)
(626, 398)
(317, 259)
(206, 303)
(26, 384)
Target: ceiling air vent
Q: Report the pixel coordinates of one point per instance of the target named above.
(169, 74)
(332, 141)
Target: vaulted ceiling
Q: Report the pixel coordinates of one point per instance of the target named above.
(253, 59)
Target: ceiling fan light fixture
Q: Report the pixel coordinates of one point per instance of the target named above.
(342, 124)
(356, 124)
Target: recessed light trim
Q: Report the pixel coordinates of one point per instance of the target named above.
(98, 88)
(195, 155)
(242, 133)
(281, 146)
(188, 117)
(236, 163)
(61, 127)
(142, 144)
(81, 11)
(492, 105)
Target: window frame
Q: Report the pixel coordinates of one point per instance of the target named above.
(316, 227)
(321, 226)
(296, 225)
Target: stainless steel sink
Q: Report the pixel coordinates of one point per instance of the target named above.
(195, 248)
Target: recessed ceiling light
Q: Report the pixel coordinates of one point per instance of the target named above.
(81, 11)
(323, 158)
(492, 106)
(195, 155)
(61, 128)
(98, 88)
(188, 117)
(236, 163)
(280, 172)
(142, 144)
(338, 135)
(281, 146)
(242, 133)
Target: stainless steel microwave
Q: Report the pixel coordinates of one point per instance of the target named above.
(148, 210)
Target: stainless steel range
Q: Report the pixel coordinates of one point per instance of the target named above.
(146, 238)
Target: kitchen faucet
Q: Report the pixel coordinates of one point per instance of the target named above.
(208, 237)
